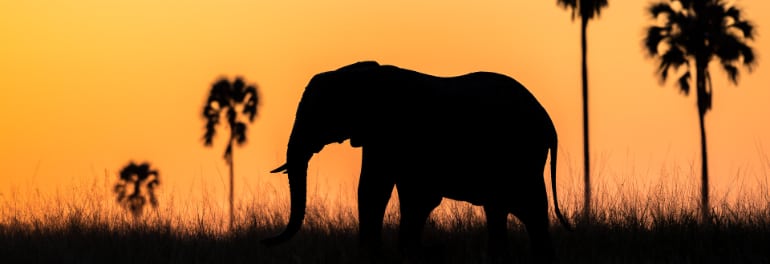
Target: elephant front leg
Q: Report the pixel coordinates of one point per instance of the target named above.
(497, 233)
(374, 190)
(416, 206)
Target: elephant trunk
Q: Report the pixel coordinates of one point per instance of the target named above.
(296, 167)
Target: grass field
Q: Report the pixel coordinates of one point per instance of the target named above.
(654, 227)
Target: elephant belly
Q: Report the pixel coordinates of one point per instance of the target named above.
(473, 166)
(479, 187)
(475, 193)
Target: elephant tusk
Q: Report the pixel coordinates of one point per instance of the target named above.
(283, 168)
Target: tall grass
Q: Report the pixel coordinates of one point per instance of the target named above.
(632, 224)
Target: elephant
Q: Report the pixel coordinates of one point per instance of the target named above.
(480, 137)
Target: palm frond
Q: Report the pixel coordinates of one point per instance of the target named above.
(687, 3)
(683, 22)
(654, 37)
(239, 132)
(128, 172)
(232, 116)
(674, 56)
(212, 116)
(569, 4)
(661, 8)
(583, 8)
(144, 170)
(711, 12)
(745, 27)
(219, 99)
(211, 110)
(733, 12)
(251, 103)
(731, 47)
(731, 50)
(732, 72)
(220, 93)
(153, 183)
(749, 59)
(727, 49)
(238, 87)
(211, 131)
(591, 8)
(684, 83)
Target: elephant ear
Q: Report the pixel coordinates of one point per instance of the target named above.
(359, 72)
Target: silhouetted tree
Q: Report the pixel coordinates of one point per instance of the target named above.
(131, 179)
(226, 97)
(586, 10)
(690, 33)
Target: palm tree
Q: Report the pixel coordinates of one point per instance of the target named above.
(137, 176)
(227, 97)
(691, 33)
(586, 10)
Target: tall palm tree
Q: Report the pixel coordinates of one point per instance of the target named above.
(690, 34)
(137, 176)
(586, 10)
(228, 97)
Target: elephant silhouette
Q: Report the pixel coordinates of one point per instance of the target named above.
(480, 137)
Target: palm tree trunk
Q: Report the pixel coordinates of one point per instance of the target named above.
(703, 107)
(586, 157)
(231, 190)
(705, 207)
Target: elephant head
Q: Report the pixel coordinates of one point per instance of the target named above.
(327, 113)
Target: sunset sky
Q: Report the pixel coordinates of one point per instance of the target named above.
(86, 86)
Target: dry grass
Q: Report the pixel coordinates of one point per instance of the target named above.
(630, 226)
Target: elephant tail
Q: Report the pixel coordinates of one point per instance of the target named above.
(552, 145)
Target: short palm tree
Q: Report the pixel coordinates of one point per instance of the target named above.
(586, 10)
(230, 99)
(129, 187)
(690, 34)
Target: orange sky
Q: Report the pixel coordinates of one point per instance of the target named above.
(88, 85)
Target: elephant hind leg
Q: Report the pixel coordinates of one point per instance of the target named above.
(497, 232)
(536, 222)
